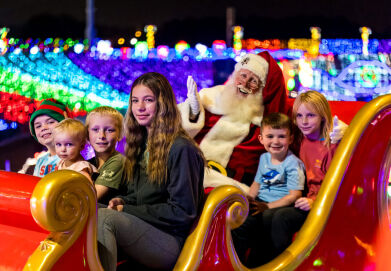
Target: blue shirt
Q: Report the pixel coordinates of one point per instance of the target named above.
(46, 164)
(277, 180)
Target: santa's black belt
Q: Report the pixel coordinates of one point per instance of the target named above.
(216, 166)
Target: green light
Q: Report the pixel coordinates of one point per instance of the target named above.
(291, 84)
(333, 72)
(360, 190)
(318, 262)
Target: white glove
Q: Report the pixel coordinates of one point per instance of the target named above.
(193, 96)
(339, 128)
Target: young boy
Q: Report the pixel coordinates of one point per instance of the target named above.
(280, 176)
(42, 121)
(104, 125)
(279, 182)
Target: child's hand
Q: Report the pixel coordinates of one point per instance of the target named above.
(339, 128)
(258, 207)
(116, 204)
(304, 204)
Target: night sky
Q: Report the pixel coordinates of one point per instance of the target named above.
(197, 21)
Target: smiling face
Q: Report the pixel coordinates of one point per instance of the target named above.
(144, 104)
(308, 121)
(246, 82)
(43, 126)
(68, 147)
(276, 141)
(103, 133)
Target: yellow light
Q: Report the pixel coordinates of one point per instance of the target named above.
(237, 38)
(121, 41)
(300, 44)
(150, 30)
(138, 34)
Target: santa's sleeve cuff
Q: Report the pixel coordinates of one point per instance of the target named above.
(192, 128)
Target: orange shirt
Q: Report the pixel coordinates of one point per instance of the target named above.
(317, 158)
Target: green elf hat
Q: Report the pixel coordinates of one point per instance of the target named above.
(53, 109)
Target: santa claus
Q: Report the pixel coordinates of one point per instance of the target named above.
(225, 119)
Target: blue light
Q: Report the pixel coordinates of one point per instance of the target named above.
(14, 125)
(3, 125)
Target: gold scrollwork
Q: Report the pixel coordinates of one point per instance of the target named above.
(64, 203)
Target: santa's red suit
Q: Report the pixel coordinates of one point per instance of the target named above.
(231, 141)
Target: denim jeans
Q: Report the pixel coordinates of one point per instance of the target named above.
(140, 241)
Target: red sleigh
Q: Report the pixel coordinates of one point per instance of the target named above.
(341, 232)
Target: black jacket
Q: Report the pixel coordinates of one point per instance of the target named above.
(174, 205)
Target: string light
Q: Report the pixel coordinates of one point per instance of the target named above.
(238, 35)
(365, 32)
(150, 31)
(85, 75)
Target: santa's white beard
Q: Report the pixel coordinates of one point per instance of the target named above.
(238, 106)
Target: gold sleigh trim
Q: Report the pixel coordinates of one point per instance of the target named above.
(63, 203)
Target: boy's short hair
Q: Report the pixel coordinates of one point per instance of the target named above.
(107, 111)
(51, 108)
(73, 127)
(277, 121)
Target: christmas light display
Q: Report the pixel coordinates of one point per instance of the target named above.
(86, 74)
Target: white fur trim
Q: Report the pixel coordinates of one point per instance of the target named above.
(209, 96)
(212, 178)
(254, 63)
(191, 127)
(219, 142)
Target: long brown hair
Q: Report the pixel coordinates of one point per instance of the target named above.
(165, 127)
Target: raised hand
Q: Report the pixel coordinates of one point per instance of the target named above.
(339, 128)
(193, 96)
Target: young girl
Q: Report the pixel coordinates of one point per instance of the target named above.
(311, 113)
(69, 138)
(49, 113)
(104, 125)
(165, 191)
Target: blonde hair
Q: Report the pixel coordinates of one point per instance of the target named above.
(320, 105)
(73, 127)
(108, 111)
(165, 127)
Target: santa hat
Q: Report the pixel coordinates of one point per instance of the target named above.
(254, 63)
(51, 108)
(274, 93)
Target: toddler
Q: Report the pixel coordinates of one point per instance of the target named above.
(69, 138)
